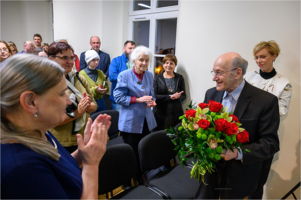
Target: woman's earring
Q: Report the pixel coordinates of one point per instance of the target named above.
(35, 115)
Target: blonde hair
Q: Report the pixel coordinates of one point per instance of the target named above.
(25, 72)
(271, 46)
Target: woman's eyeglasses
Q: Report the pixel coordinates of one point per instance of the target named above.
(66, 58)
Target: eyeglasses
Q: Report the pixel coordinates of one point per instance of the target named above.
(4, 49)
(66, 58)
(219, 73)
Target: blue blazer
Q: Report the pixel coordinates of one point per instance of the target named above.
(131, 116)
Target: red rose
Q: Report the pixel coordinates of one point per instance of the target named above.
(204, 124)
(215, 106)
(221, 124)
(234, 118)
(231, 129)
(190, 113)
(242, 137)
(203, 105)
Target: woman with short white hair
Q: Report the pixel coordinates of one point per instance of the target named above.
(135, 93)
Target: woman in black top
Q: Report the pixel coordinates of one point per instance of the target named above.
(169, 88)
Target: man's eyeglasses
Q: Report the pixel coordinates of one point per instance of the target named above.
(4, 49)
(219, 73)
(66, 58)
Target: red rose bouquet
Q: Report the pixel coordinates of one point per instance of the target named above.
(206, 131)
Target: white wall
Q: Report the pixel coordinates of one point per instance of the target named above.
(105, 19)
(20, 20)
(207, 29)
(77, 21)
(113, 15)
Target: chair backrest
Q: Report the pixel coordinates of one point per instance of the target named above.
(117, 166)
(108, 101)
(114, 120)
(155, 150)
(177, 126)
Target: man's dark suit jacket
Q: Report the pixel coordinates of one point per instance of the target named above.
(258, 112)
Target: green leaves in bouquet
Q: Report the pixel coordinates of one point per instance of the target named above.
(192, 105)
(202, 136)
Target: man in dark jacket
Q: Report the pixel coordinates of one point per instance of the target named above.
(104, 58)
(237, 175)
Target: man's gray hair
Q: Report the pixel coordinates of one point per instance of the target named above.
(239, 62)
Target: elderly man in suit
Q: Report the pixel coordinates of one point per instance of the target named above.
(237, 174)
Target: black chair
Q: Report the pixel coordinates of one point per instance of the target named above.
(177, 126)
(116, 168)
(291, 192)
(113, 132)
(155, 150)
(108, 101)
(190, 157)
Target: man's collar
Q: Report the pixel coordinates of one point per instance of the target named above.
(236, 93)
(96, 52)
(124, 57)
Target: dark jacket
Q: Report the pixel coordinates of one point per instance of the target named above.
(258, 112)
(163, 101)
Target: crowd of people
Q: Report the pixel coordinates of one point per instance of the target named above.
(52, 149)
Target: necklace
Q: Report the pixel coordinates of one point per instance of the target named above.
(169, 83)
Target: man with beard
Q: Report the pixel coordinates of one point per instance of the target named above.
(104, 58)
(118, 65)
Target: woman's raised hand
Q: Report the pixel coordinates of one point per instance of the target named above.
(176, 95)
(84, 103)
(104, 119)
(92, 148)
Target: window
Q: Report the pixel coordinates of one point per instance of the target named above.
(154, 25)
(141, 5)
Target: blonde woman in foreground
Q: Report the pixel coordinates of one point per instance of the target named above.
(34, 165)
